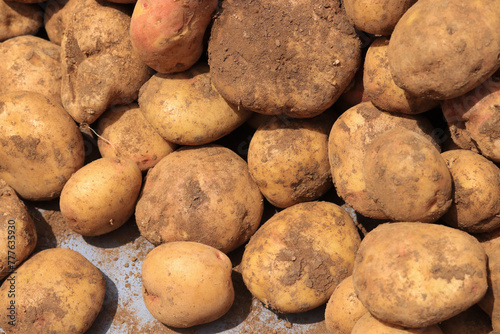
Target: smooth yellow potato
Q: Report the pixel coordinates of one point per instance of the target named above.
(101, 196)
(370, 324)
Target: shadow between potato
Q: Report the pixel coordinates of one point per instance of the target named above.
(125, 234)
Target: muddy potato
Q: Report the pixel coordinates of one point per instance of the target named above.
(415, 274)
(473, 320)
(56, 17)
(42, 306)
(19, 19)
(17, 231)
(124, 131)
(370, 324)
(344, 308)
(41, 145)
(298, 257)
(187, 283)
(203, 194)
(288, 159)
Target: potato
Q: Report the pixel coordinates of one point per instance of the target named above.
(100, 197)
(187, 283)
(99, 66)
(476, 192)
(56, 18)
(343, 309)
(407, 177)
(31, 302)
(168, 35)
(41, 145)
(380, 87)
(288, 159)
(17, 231)
(19, 19)
(472, 320)
(125, 132)
(416, 275)
(32, 64)
(283, 57)
(185, 109)
(297, 258)
(370, 324)
(349, 138)
(433, 51)
(376, 17)
(203, 194)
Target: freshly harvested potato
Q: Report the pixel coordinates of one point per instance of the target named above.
(99, 66)
(17, 231)
(380, 87)
(41, 145)
(370, 324)
(476, 192)
(125, 132)
(203, 194)
(473, 320)
(185, 109)
(437, 52)
(416, 275)
(296, 259)
(407, 177)
(288, 159)
(187, 283)
(376, 17)
(168, 35)
(56, 18)
(55, 291)
(283, 57)
(19, 19)
(349, 138)
(343, 309)
(32, 64)
(100, 197)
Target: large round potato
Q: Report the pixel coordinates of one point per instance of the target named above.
(187, 283)
(369, 324)
(41, 146)
(298, 257)
(203, 194)
(56, 291)
(416, 274)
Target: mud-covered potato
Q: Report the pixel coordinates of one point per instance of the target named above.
(298, 257)
(185, 109)
(415, 274)
(343, 309)
(187, 283)
(125, 132)
(203, 194)
(288, 159)
(56, 17)
(17, 231)
(19, 19)
(476, 192)
(41, 146)
(55, 291)
(100, 197)
(369, 324)
(473, 320)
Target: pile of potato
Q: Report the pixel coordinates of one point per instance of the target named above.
(393, 106)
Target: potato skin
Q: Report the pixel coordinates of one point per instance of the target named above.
(370, 324)
(402, 270)
(56, 18)
(100, 197)
(43, 150)
(19, 19)
(17, 231)
(69, 307)
(296, 259)
(203, 194)
(187, 283)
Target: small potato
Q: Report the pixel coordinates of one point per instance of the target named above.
(288, 159)
(125, 132)
(17, 231)
(470, 321)
(187, 283)
(18, 19)
(297, 258)
(417, 275)
(407, 177)
(370, 324)
(56, 291)
(185, 109)
(343, 309)
(41, 146)
(100, 197)
(476, 192)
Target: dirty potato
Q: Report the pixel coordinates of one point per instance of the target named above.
(369, 324)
